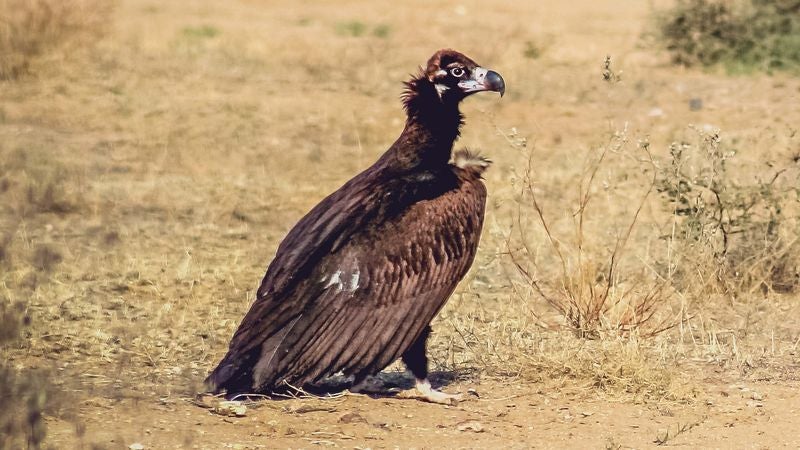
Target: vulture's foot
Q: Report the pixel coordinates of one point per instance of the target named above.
(424, 391)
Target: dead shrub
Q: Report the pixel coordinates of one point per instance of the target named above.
(590, 289)
(729, 234)
(30, 29)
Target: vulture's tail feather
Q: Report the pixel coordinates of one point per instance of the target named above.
(234, 374)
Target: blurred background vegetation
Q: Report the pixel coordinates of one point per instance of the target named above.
(741, 35)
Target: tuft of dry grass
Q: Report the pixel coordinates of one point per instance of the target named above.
(31, 28)
(502, 339)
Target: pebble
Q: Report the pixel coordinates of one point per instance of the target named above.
(470, 425)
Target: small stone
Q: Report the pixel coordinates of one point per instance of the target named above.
(136, 446)
(304, 409)
(352, 417)
(230, 409)
(470, 425)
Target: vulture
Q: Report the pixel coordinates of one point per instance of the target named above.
(356, 282)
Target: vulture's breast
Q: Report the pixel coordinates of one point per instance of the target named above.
(428, 245)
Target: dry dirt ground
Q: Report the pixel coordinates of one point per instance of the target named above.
(147, 180)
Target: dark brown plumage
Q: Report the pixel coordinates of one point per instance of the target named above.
(355, 284)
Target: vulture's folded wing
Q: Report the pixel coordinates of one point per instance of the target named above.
(365, 283)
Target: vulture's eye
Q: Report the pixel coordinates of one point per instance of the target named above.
(457, 72)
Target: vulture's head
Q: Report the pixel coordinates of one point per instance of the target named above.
(455, 76)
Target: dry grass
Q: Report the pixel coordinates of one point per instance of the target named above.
(500, 338)
(29, 29)
(144, 188)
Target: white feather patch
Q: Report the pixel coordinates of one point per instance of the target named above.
(464, 159)
(337, 280)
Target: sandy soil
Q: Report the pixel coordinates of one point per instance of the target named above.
(508, 414)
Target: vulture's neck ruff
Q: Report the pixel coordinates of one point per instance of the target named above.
(430, 110)
(431, 102)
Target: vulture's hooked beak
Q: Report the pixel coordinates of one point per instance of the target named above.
(483, 80)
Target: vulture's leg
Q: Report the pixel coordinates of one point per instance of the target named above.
(416, 361)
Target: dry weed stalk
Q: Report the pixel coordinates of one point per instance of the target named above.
(592, 295)
(665, 436)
